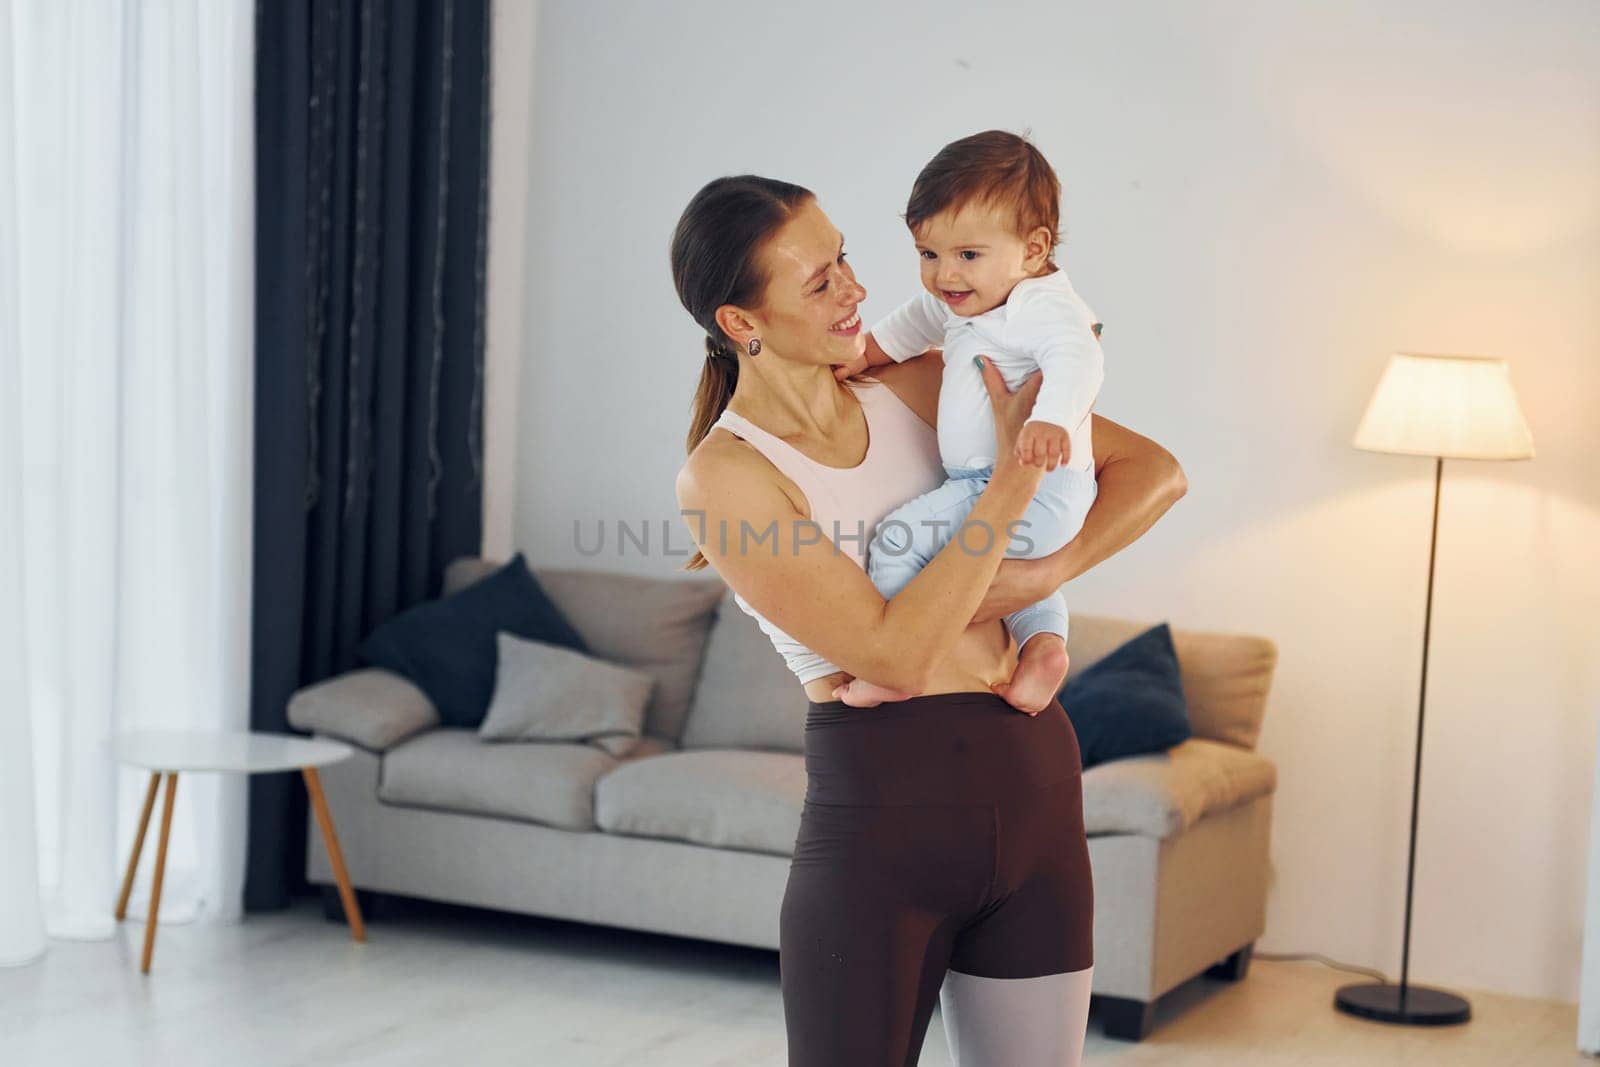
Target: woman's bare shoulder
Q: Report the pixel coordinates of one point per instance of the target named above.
(719, 455)
(916, 382)
(723, 461)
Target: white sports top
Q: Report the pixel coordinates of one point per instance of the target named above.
(847, 503)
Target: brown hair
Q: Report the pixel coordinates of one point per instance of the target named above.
(993, 167)
(715, 253)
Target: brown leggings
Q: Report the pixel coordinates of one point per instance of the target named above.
(943, 832)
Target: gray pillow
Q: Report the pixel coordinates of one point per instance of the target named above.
(374, 708)
(544, 692)
(652, 624)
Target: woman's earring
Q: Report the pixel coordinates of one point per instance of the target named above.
(754, 347)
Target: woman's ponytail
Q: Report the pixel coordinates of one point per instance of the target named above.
(718, 378)
(715, 263)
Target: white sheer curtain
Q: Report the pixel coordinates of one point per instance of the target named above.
(126, 434)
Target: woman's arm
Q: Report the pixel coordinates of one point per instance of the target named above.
(1138, 479)
(789, 570)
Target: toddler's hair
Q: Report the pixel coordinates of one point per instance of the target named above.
(993, 167)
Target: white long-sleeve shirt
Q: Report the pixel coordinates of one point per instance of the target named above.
(1043, 325)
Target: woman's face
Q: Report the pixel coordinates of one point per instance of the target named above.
(809, 311)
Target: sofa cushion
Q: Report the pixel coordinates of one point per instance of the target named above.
(657, 625)
(543, 692)
(650, 746)
(1225, 676)
(752, 800)
(1165, 793)
(447, 646)
(718, 798)
(535, 781)
(1130, 702)
(747, 696)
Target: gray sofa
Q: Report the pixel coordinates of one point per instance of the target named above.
(691, 834)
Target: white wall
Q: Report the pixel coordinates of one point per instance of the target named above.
(1262, 202)
(511, 140)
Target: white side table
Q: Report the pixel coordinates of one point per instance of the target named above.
(172, 751)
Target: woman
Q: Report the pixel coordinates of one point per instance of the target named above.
(941, 852)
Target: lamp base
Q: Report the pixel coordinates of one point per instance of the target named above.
(1420, 1005)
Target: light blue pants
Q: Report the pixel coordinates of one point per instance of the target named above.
(913, 533)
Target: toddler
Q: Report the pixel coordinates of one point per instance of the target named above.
(985, 214)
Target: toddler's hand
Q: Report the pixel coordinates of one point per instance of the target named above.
(1043, 444)
(851, 369)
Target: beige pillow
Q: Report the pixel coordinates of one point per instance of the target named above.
(545, 692)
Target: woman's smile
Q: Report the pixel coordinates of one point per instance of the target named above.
(848, 327)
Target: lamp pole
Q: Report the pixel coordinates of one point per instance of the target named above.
(1419, 1006)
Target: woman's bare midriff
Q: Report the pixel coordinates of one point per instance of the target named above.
(984, 655)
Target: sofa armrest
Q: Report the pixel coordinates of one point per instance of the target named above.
(373, 708)
(1165, 793)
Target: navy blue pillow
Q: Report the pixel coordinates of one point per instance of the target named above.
(447, 646)
(1129, 703)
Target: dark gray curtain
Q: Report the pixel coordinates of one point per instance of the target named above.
(371, 190)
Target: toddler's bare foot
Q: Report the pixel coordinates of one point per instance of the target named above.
(1041, 668)
(860, 693)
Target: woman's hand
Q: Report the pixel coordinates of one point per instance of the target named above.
(1010, 409)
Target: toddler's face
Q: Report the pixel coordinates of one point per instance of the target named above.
(972, 257)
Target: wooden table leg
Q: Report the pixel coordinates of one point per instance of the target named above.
(319, 804)
(138, 845)
(161, 869)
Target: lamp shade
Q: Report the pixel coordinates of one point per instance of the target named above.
(1457, 407)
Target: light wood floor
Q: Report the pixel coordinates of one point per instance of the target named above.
(443, 985)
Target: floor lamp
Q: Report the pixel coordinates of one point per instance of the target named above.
(1447, 407)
